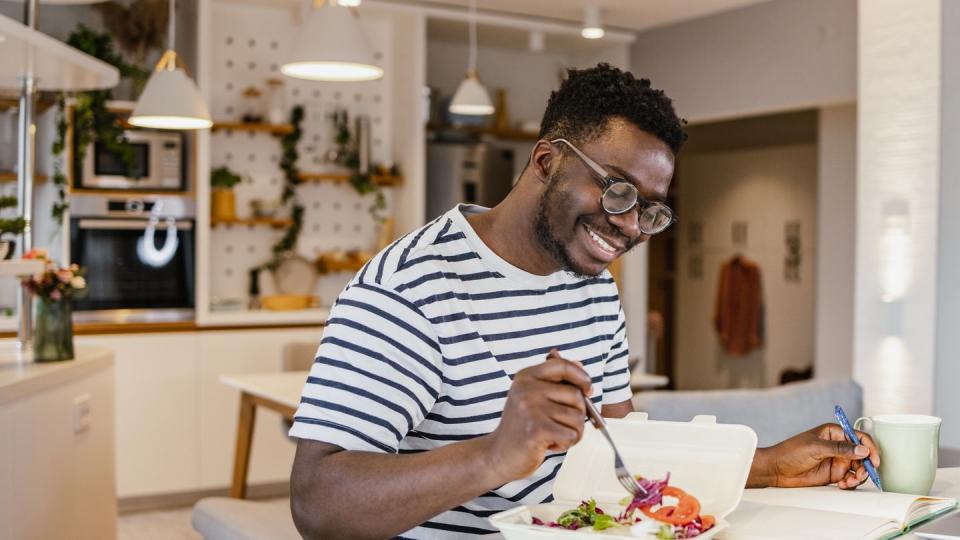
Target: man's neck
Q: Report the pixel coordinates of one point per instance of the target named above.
(510, 232)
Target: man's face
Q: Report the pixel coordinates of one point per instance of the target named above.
(569, 214)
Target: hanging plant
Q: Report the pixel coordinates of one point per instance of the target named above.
(348, 155)
(291, 174)
(92, 121)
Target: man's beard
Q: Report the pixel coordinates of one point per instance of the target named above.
(552, 200)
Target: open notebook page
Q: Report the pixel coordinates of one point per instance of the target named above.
(897, 507)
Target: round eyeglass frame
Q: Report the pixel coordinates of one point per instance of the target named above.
(608, 181)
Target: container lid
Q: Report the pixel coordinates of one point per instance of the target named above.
(708, 460)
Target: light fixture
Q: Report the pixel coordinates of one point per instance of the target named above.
(332, 46)
(170, 99)
(592, 27)
(895, 252)
(471, 97)
(348, 3)
(536, 41)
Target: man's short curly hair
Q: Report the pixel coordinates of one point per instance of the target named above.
(588, 98)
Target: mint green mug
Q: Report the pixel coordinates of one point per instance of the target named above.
(909, 446)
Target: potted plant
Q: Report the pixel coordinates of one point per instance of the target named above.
(9, 227)
(223, 201)
(55, 288)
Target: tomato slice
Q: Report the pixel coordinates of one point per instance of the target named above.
(707, 522)
(686, 510)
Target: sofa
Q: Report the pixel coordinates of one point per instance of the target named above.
(774, 413)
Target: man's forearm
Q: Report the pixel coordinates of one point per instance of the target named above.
(350, 494)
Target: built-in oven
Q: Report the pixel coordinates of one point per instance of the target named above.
(139, 256)
(156, 162)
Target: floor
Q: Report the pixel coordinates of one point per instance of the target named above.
(157, 525)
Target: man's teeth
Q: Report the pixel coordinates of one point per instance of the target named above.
(600, 241)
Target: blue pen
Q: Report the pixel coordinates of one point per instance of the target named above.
(852, 435)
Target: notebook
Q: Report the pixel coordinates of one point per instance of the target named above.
(828, 512)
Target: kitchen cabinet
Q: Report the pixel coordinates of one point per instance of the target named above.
(176, 423)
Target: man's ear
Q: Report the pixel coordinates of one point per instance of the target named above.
(541, 158)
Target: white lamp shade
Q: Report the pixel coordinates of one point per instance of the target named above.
(170, 101)
(471, 98)
(592, 27)
(331, 46)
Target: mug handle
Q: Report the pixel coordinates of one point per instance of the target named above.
(858, 423)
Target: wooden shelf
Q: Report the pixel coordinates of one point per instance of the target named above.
(6, 176)
(502, 134)
(333, 261)
(273, 129)
(253, 222)
(345, 177)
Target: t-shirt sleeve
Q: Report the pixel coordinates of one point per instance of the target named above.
(616, 372)
(376, 373)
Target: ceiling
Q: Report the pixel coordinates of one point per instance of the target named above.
(634, 15)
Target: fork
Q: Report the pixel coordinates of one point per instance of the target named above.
(627, 480)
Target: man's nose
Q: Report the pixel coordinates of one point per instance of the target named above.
(628, 223)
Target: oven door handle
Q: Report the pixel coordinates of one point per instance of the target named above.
(128, 224)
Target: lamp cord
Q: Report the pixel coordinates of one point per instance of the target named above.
(473, 36)
(171, 25)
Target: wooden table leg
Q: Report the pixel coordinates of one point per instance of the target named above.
(241, 460)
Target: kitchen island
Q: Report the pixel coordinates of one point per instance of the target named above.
(57, 446)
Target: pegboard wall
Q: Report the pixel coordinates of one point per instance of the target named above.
(248, 45)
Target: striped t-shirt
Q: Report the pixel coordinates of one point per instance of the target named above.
(421, 347)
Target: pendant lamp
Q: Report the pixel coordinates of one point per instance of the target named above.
(332, 47)
(592, 25)
(471, 97)
(170, 99)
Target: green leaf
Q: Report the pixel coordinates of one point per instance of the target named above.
(603, 521)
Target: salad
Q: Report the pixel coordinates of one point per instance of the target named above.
(655, 513)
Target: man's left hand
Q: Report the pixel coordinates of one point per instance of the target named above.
(817, 457)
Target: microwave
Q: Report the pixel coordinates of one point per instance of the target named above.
(159, 164)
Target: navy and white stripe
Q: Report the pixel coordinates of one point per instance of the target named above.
(421, 347)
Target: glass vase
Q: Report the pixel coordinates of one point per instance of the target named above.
(53, 335)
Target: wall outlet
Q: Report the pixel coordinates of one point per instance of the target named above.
(81, 413)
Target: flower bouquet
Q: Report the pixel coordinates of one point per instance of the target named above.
(55, 288)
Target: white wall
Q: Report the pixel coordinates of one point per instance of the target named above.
(774, 56)
(765, 187)
(898, 183)
(836, 236)
(947, 370)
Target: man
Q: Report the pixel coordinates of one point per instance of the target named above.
(452, 373)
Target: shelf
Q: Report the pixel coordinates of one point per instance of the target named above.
(261, 317)
(273, 129)
(20, 267)
(332, 261)
(6, 176)
(345, 177)
(253, 222)
(502, 134)
(54, 64)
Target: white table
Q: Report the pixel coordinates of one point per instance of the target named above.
(278, 392)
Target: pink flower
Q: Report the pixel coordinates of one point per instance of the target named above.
(36, 253)
(65, 275)
(55, 295)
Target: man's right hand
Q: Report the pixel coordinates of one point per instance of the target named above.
(544, 413)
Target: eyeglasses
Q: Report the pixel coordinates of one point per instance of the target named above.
(620, 196)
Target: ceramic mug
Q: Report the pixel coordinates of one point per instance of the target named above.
(908, 450)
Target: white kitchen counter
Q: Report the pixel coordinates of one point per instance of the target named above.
(19, 379)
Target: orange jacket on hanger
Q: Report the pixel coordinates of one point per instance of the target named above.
(737, 316)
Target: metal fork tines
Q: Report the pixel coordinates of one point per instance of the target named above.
(627, 480)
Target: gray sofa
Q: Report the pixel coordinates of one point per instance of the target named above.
(774, 413)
